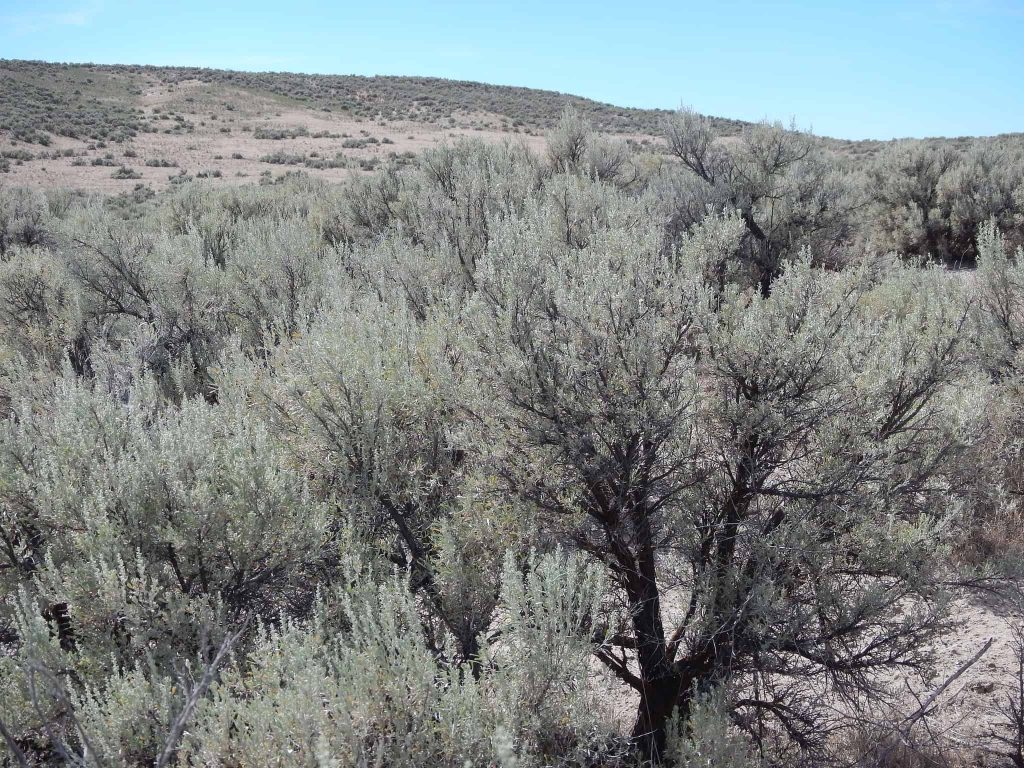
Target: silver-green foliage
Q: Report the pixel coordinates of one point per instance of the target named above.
(357, 685)
(437, 458)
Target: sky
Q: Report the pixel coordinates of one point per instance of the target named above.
(861, 69)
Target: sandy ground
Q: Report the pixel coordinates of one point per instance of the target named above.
(966, 711)
(208, 147)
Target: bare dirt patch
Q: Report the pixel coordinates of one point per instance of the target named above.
(221, 143)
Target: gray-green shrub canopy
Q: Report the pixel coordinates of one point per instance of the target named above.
(442, 465)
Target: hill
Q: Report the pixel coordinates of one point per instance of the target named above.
(101, 127)
(99, 100)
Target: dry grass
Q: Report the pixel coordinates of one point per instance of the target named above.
(877, 747)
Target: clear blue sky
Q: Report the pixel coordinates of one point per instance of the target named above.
(858, 69)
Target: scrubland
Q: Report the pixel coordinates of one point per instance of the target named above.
(669, 440)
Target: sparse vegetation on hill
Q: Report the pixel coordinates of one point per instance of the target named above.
(211, 114)
(35, 89)
(37, 103)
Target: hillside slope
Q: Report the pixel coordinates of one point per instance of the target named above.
(72, 99)
(104, 127)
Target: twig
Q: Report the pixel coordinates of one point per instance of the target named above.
(902, 731)
(178, 727)
(923, 709)
(12, 745)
